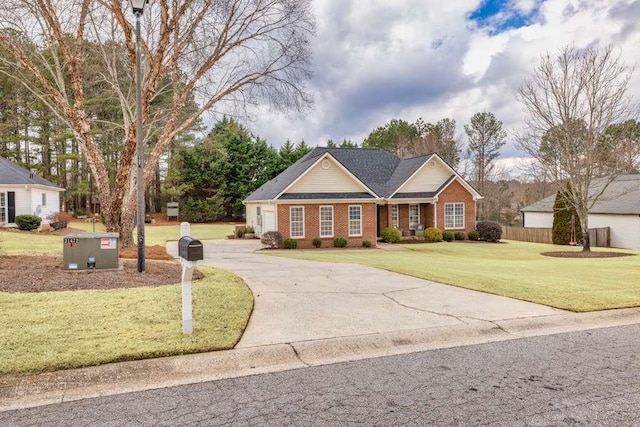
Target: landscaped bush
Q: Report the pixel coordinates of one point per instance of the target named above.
(316, 242)
(290, 243)
(489, 231)
(448, 236)
(340, 242)
(391, 235)
(366, 244)
(272, 239)
(432, 234)
(473, 235)
(59, 220)
(28, 222)
(459, 235)
(240, 232)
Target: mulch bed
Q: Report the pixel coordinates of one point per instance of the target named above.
(45, 273)
(587, 254)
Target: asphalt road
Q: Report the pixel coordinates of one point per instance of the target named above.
(580, 378)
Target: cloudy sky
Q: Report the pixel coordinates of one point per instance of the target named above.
(375, 60)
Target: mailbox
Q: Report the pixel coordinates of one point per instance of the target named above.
(190, 249)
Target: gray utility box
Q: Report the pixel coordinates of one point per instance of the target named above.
(88, 251)
(190, 249)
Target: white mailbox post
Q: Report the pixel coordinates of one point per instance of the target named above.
(188, 267)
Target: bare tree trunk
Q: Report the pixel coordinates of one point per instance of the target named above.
(177, 47)
(586, 243)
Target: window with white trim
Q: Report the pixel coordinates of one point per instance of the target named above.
(454, 215)
(44, 199)
(326, 221)
(355, 220)
(394, 216)
(414, 216)
(3, 208)
(296, 221)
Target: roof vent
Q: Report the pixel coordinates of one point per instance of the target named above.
(325, 164)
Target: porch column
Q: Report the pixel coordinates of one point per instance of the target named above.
(435, 214)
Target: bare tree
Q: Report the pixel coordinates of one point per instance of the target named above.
(486, 137)
(439, 138)
(572, 99)
(222, 54)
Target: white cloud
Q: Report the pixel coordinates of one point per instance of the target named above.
(377, 60)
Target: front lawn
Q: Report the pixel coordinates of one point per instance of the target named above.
(513, 269)
(15, 242)
(58, 330)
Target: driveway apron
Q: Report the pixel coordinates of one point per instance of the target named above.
(297, 300)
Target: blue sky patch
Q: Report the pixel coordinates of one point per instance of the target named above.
(497, 16)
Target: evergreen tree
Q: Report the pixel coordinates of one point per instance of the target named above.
(563, 212)
(287, 154)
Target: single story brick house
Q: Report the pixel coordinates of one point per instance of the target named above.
(357, 192)
(617, 208)
(23, 192)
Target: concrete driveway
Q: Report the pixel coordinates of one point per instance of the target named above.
(299, 300)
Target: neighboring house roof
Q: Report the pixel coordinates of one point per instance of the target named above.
(375, 169)
(12, 174)
(543, 205)
(621, 197)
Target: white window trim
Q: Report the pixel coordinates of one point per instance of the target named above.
(413, 226)
(44, 200)
(454, 215)
(349, 220)
(3, 207)
(291, 222)
(320, 221)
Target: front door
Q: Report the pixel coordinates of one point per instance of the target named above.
(383, 220)
(268, 221)
(11, 206)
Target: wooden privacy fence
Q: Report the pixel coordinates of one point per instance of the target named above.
(598, 237)
(521, 234)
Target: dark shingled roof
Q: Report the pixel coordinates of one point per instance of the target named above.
(418, 195)
(403, 171)
(622, 197)
(12, 174)
(379, 170)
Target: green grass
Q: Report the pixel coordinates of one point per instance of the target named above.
(161, 234)
(513, 269)
(16, 242)
(59, 330)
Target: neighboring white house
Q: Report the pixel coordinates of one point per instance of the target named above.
(618, 208)
(23, 192)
